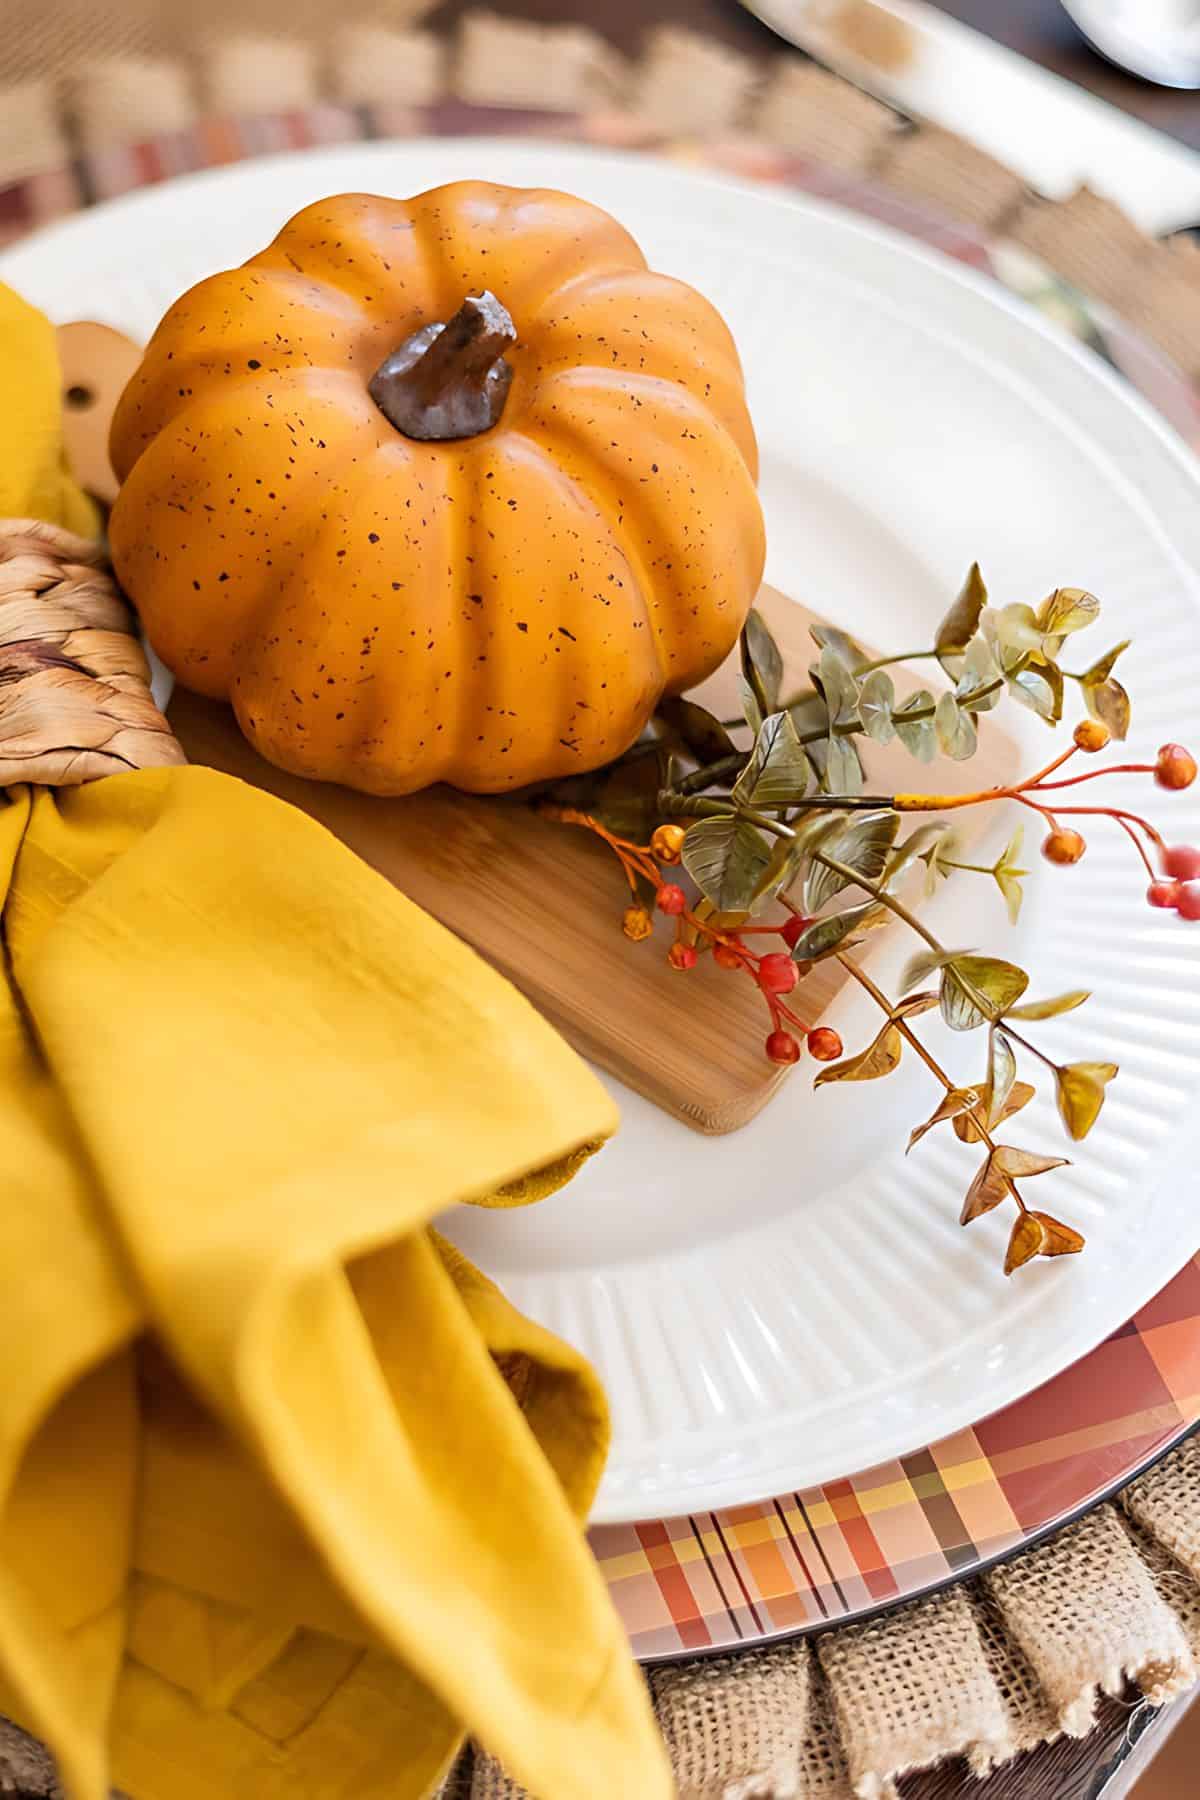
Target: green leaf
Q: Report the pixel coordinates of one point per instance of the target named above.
(1066, 610)
(1017, 632)
(969, 980)
(958, 1101)
(987, 1190)
(956, 732)
(1051, 1009)
(1104, 665)
(1081, 1088)
(876, 699)
(926, 963)
(862, 843)
(962, 621)
(777, 773)
(704, 735)
(750, 706)
(877, 1060)
(762, 664)
(837, 930)
(919, 736)
(1050, 671)
(914, 845)
(843, 771)
(939, 858)
(1108, 702)
(1034, 688)
(1002, 1072)
(1008, 875)
(1025, 1163)
(979, 672)
(829, 637)
(628, 801)
(837, 686)
(914, 1006)
(726, 858)
(782, 869)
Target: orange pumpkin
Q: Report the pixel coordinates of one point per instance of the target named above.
(407, 554)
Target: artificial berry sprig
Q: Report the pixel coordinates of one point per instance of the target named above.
(786, 822)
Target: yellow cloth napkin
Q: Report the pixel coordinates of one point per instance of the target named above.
(288, 1492)
(34, 481)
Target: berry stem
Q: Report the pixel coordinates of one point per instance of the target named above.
(1095, 774)
(878, 893)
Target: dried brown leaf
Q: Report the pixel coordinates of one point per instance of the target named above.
(1059, 1239)
(954, 1104)
(1020, 1095)
(987, 1190)
(1025, 1162)
(1027, 1241)
(878, 1059)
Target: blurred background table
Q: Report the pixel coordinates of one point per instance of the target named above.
(1039, 29)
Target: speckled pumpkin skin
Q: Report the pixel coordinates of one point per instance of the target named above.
(489, 612)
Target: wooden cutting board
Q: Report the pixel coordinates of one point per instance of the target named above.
(541, 901)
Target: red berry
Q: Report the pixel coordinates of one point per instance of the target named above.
(1063, 846)
(782, 1047)
(1174, 767)
(1183, 862)
(793, 929)
(824, 1044)
(671, 899)
(1188, 903)
(681, 956)
(1163, 893)
(777, 973)
(727, 956)
(1091, 735)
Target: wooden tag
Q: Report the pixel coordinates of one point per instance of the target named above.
(96, 363)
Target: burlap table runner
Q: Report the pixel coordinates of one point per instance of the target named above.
(1022, 1656)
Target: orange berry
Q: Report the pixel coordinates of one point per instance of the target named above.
(782, 1047)
(824, 1044)
(637, 923)
(682, 956)
(667, 843)
(727, 956)
(1063, 847)
(1091, 735)
(671, 899)
(1174, 767)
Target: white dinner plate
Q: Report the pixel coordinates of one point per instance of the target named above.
(796, 1301)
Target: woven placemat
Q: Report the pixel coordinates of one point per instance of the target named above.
(1024, 1656)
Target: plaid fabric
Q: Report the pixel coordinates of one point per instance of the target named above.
(801, 1561)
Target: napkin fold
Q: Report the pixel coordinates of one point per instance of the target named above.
(290, 1496)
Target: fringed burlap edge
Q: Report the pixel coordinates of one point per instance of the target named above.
(982, 1673)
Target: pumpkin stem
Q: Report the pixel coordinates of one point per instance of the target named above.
(451, 380)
